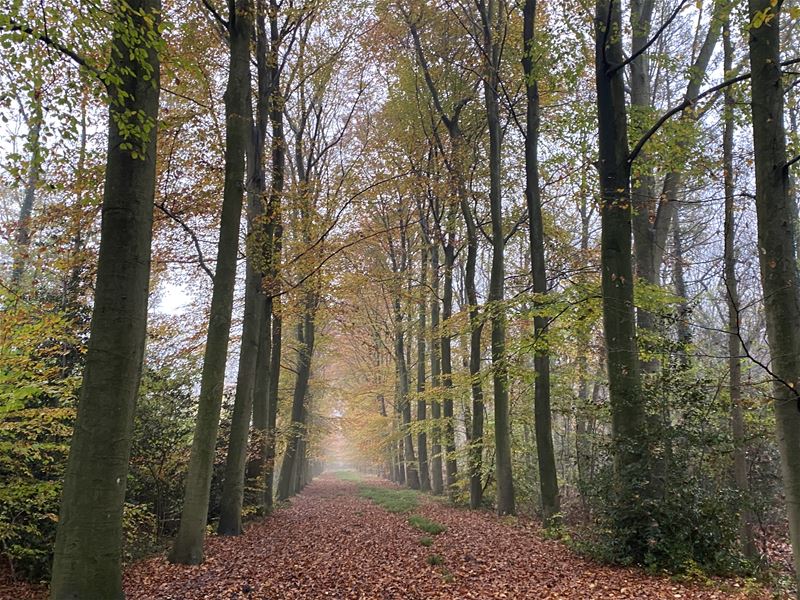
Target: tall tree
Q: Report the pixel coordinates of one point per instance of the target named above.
(548, 477)
(624, 379)
(422, 436)
(437, 483)
(776, 214)
(746, 517)
(188, 547)
(88, 549)
(492, 15)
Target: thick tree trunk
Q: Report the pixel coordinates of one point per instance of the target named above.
(746, 517)
(188, 548)
(261, 408)
(777, 242)
(422, 436)
(437, 482)
(619, 321)
(548, 477)
(88, 548)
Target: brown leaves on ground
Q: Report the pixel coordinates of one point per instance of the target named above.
(331, 543)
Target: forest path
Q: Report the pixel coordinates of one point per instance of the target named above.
(331, 542)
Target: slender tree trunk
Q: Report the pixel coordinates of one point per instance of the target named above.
(619, 321)
(506, 504)
(684, 334)
(422, 436)
(746, 517)
(188, 548)
(548, 477)
(305, 337)
(230, 521)
(437, 483)
(451, 469)
(23, 235)
(274, 229)
(259, 204)
(777, 242)
(88, 548)
(412, 476)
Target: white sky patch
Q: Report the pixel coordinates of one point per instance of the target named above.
(173, 299)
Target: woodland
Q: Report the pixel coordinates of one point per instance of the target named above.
(399, 299)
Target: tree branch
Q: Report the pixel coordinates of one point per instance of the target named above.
(13, 26)
(687, 103)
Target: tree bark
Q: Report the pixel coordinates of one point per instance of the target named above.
(306, 334)
(188, 548)
(23, 236)
(777, 241)
(88, 548)
(230, 520)
(506, 504)
(619, 321)
(437, 482)
(548, 477)
(451, 468)
(746, 517)
(422, 436)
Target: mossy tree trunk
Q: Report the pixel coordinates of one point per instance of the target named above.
(88, 548)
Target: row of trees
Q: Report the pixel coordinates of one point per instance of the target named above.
(288, 151)
(387, 161)
(445, 230)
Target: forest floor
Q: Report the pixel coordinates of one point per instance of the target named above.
(348, 539)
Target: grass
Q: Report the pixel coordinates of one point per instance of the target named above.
(435, 560)
(348, 476)
(426, 541)
(426, 525)
(394, 501)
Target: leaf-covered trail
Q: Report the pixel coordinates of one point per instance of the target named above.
(332, 543)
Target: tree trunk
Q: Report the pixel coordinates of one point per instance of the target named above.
(684, 334)
(627, 408)
(777, 242)
(746, 517)
(506, 504)
(274, 229)
(297, 429)
(188, 548)
(451, 469)
(437, 483)
(230, 520)
(261, 253)
(88, 548)
(412, 476)
(422, 436)
(23, 235)
(548, 477)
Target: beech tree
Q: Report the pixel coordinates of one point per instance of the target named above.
(188, 548)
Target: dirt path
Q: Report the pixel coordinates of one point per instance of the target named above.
(332, 543)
